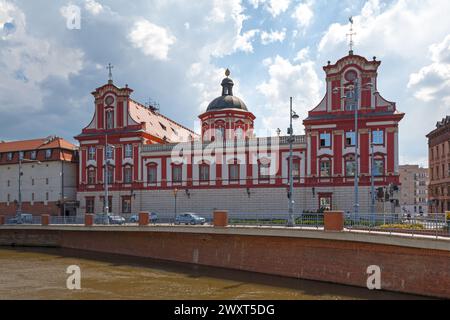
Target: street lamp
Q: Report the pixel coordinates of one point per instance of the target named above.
(292, 115)
(354, 90)
(106, 179)
(175, 191)
(21, 159)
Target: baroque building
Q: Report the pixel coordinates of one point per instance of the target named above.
(155, 164)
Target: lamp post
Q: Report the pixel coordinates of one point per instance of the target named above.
(372, 180)
(175, 192)
(292, 115)
(21, 159)
(106, 179)
(355, 90)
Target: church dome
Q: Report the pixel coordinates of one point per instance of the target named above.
(227, 100)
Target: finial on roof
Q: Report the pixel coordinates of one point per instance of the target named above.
(227, 72)
(350, 35)
(110, 77)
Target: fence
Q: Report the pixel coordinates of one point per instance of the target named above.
(437, 225)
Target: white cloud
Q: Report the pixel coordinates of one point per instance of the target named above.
(304, 14)
(302, 55)
(153, 40)
(273, 36)
(244, 42)
(432, 82)
(274, 7)
(286, 79)
(93, 7)
(30, 61)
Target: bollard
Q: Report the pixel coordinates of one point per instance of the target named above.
(88, 220)
(334, 220)
(144, 218)
(220, 218)
(45, 219)
(2, 220)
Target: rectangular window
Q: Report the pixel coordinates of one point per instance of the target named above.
(152, 174)
(91, 176)
(32, 196)
(325, 202)
(46, 196)
(264, 171)
(127, 175)
(128, 151)
(9, 197)
(90, 205)
(9, 156)
(378, 167)
(325, 140)
(109, 152)
(32, 182)
(33, 155)
(110, 175)
(378, 137)
(204, 172)
(350, 168)
(177, 173)
(296, 169)
(91, 153)
(126, 204)
(325, 168)
(350, 139)
(233, 172)
(9, 183)
(46, 181)
(48, 153)
(21, 154)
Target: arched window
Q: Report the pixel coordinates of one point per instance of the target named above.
(350, 165)
(152, 173)
(127, 174)
(203, 171)
(264, 169)
(91, 176)
(109, 119)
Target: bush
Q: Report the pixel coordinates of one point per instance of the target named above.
(402, 226)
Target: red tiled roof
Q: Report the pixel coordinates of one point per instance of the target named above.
(36, 144)
(159, 125)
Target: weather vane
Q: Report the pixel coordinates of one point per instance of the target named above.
(110, 67)
(227, 72)
(350, 35)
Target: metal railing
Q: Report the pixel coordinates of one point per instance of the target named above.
(437, 225)
(62, 220)
(307, 220)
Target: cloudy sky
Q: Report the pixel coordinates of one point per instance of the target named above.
(175, 52)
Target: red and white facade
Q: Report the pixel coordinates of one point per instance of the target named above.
(156, 162)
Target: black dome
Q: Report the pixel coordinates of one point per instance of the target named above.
(227, 100)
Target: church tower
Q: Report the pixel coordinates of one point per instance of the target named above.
(227, 116)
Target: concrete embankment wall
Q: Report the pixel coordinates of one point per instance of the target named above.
(417, 266)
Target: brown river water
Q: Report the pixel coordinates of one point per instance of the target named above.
(32, 273)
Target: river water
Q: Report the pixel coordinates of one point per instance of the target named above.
(33, 273)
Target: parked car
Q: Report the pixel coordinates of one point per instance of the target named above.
(116, 219)
(21, 218)
(189, 218)
(153, 218)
